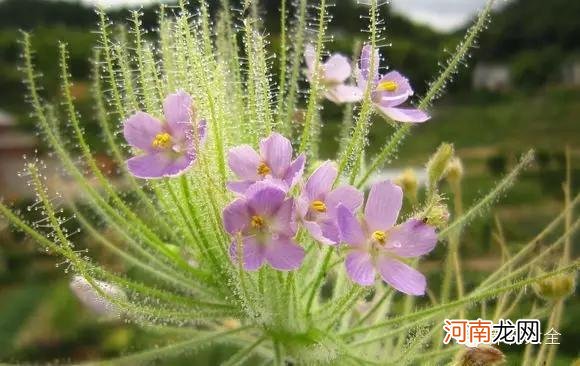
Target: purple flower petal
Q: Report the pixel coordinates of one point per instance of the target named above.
(343, 94)
(295, 171)
(384, 101)
(140, 130)
(383, 205)
(411, 115)
(325, 232)
(254, 253)
(265, 198)
(283, 221)
(236, 216)
(283, 254)
(365, 66)
(401, 276)
(92, 299)
(302, 206)
(349, 196)
(336, 69)
(277, 182)
(309, 57)
(399, 84)
(350, 229)
(202, 130)
(159, 164)
(194, 142)
(240, 186)
(244, 161)
(276, 151)
(359, 267)
(178, 112)
(321, 181)
(411, 239)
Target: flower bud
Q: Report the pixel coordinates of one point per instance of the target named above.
(482, 355)
(437, 215)
(89, 297)
(556, 288)
(231, 323)
(438, 163)
(454, 171)
(409, 182)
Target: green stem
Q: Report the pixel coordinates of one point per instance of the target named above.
(490, 197)
(170, 351)
(317, 281)
(242, 355)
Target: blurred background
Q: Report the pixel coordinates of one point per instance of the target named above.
(521, 90)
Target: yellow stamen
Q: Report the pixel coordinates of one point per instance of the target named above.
(257, 222)
(379, 236)
(263, 169)
(162, 141)
(318, 206)
(388, 85)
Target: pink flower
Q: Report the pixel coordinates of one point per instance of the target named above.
(333, 75)
(318, 202)
(388, 91)
(169, 146)
(273, 163)
(264, 221)
(377, 244)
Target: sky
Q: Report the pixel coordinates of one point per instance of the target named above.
(443, 15)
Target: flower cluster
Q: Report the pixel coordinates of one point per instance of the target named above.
(387, 91)
(169, 146)
(267, 214)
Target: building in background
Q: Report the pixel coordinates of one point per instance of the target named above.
(492, 77)
(571, 72)
(14, 144)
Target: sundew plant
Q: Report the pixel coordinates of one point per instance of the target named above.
(237, 233)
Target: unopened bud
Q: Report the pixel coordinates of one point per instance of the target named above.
(454, 171)
(482, 355)
(91, 298)
(438, 162)
(556, 288)
(437, 215)
(409, 182)
(231, 323)
(299, 116)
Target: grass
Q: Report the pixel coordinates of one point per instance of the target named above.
(545, 120)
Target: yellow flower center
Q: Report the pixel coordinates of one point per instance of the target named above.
(162, 141)
(257, 222)
(318, 206)
(388, 85)
(379, 236)
(263, 169)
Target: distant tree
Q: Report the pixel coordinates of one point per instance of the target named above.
(531, 25)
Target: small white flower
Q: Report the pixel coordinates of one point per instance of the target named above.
(93, 300)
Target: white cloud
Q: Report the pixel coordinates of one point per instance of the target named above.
(444, 15)
(120, 3)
